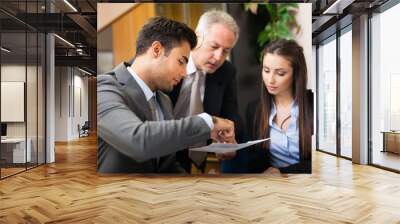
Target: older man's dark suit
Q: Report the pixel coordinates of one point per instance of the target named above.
(220, 99)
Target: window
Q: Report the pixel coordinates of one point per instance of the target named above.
(22, 65)
(345, 92)
(326, 136)
(385, 88)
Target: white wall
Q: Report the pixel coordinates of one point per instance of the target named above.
(79, 117)
(61, 103)
(69, 85)
(15, 72)
(33, 126)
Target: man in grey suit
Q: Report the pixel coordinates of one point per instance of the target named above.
(136, 130)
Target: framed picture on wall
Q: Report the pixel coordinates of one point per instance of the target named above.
(12, 101)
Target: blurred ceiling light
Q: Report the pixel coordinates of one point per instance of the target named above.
(84, 71)
(5, 50)
(70, 5)
(65, 41)
(337, 7)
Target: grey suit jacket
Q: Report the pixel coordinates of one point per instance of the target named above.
(128, 141)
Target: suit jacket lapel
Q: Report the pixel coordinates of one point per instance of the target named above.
(212, 93)
(134, 92)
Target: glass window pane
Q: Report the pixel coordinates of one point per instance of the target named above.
(41, 98)
(23, 85)
(14, 147)
(346, 94)
(327, 97)
(385, 115)
(31, 97)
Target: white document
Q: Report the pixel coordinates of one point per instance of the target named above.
(227, 147)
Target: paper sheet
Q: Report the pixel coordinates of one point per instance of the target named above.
(227, 147)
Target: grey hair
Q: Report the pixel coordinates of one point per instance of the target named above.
(217, 16)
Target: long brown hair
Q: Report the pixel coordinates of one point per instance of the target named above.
(292, 52)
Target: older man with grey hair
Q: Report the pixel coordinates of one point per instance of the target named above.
(210, 84)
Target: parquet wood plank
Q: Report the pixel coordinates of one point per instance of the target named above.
(70, 191)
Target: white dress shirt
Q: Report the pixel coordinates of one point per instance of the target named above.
(190, 71)
(147, 91)
(149, 94)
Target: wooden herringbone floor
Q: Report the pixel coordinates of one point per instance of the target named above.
(70, 191)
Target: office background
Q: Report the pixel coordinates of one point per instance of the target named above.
(47, 79)
(357, 84)
(354, 59)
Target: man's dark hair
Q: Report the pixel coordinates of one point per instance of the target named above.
(168, 32)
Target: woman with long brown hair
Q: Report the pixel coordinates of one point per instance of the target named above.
(283, 113)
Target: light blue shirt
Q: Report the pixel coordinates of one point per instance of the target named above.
(149, 94)
(284, 147)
